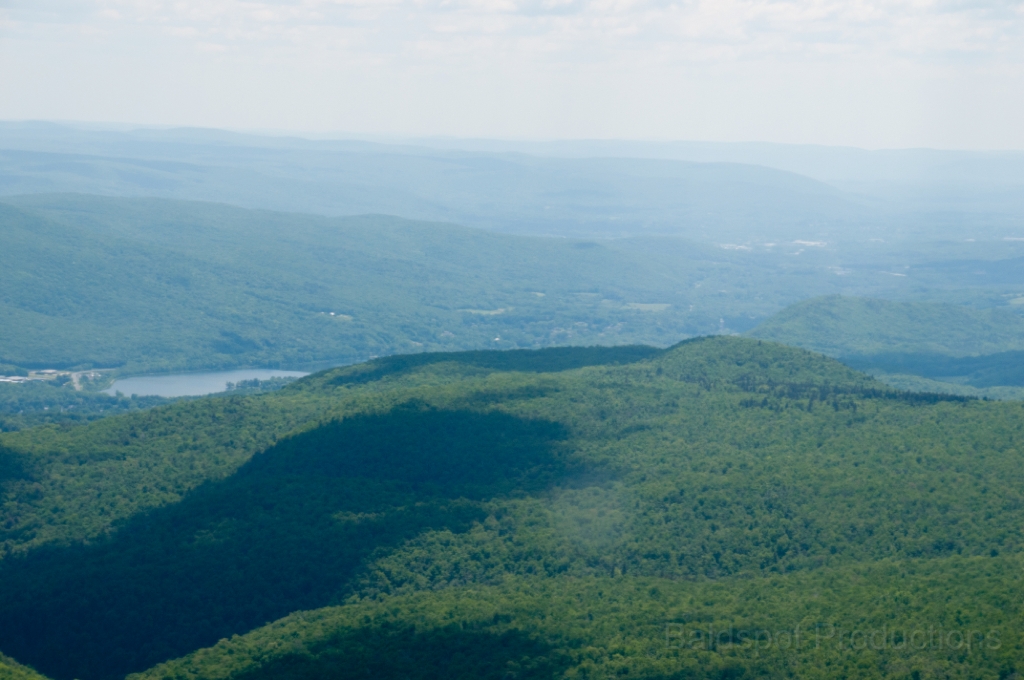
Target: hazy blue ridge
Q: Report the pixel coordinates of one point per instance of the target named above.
(505, 191)
(699, 190)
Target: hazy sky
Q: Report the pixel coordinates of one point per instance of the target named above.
(862, 72)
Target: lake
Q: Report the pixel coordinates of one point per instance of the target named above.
(192, 384)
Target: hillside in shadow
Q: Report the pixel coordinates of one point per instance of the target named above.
(285, 533)
(397, 651)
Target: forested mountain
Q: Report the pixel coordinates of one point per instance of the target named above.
(952, 347)
(509, 192)
(700, 191)
(844, 326)
(727, 507)
(154, 285)
(37, 402)
(151, 285)
(564, 512)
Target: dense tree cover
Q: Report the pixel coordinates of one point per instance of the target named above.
(38, 402)
(266, 541)
(990, 370)
(915, 383)
(12, 670)
(552, 521)
(948, 618)
(925, 346)
(990, 376)
(73, 484)
(843, 326)
(149, 285)
(256, 385)
(8, 369)
(547, 360)
(139, 462)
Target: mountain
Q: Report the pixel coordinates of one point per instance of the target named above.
(832, 164)
(151, 285)
(927, 179)
(508, 192)
(917, 345)
(726, 507)
(843, 326)
(1005, 386)
(147, 285)
(711, 192)
(156, 285)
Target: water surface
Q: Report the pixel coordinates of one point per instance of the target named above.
(192, 384)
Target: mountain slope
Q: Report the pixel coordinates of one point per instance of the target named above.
(732, 191)
(146, 285)
(12, 670)
(509, 192)
(37, 402)
(884, 620)
(149, 285)
(847, 326)
(548, 512)
(911, 345)
(157, 285)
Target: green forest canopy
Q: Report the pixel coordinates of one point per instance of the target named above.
(651, 514)
(148, 285)
(842, 326)
(154, 285)
(37, 402)
(12, 670)
(914, 345)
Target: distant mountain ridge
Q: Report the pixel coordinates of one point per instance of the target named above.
(698, 190)
(843, 326)
(150, 285)
(912, 345)
(508, 193)
(157, 285)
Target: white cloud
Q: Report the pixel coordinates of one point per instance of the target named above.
(933, 71)
(713, 29)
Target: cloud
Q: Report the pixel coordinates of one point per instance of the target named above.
(871, 72)
(690, 29)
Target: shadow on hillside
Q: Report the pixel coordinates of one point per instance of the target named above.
(12, 466)
(450, 653)
(988, 370)
(547, 360)
(286, 533)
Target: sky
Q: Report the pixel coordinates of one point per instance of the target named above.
(915, 73)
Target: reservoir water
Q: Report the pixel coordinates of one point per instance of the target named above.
(192, 384)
